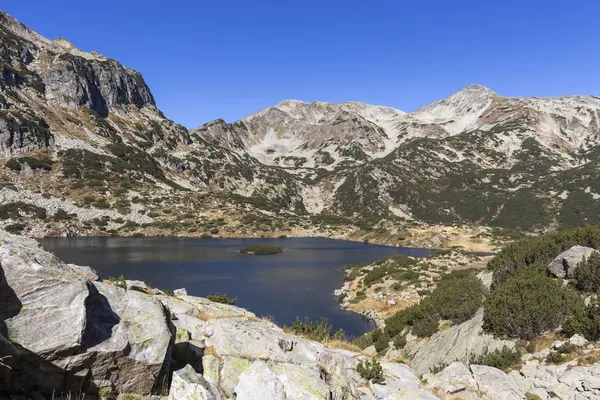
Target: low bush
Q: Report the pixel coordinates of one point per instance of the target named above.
(587, 274)
(374, 275)
(584, 319)
(222, 298)
(540, 250)
(15, 229)
(371, 370)
(501, 359)
(364, 341)
(457, 298)
(118, 282)
(319, 331)
(528, 304)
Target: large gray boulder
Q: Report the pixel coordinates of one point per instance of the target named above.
(189, 385)
(259, 382)
(565, 264)
(67, 332)
(458, 343)
(494, 384)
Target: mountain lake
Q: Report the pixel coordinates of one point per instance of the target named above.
(299, 282)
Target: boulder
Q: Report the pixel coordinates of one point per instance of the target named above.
(565, 264)
(259, 382)
(494, 384)
(67, 331)
(180, 292)
(453, 379)
(130, 341)
(189, 385)
(458, 343)
(578, 341)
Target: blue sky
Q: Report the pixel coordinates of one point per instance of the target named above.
(209, 59)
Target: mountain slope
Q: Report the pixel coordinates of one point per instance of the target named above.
(85, 150)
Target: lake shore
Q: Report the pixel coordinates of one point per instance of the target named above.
(472, 239)
(404, 284)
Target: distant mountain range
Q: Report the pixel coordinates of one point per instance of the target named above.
(85, 149)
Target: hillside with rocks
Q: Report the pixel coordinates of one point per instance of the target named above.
(85, 151)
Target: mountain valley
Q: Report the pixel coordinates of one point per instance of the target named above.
(86, 152)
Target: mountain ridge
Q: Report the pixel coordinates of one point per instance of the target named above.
(85, 150)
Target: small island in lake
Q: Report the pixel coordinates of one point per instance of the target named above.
(262, 250)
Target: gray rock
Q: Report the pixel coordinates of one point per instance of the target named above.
(259, 382)
(565, 264)
(453, 379)
(458, 343)
(180, 292)
(137, 340)
(578, 340)
(101, 335)
(495, 384)
(189, 385)
(136, 285)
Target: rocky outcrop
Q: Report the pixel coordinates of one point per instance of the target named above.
(565, 264)
(567, 381)
(458, 343)
(64, 330)
(67, 331)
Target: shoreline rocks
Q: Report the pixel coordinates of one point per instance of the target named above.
(69, 331)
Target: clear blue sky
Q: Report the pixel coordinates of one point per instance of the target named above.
(209, 59)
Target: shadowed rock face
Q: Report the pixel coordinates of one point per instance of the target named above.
(66, 332)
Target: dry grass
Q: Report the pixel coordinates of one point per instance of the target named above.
(211, 351)
(342, 344)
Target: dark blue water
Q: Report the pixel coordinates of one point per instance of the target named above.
(299, 282)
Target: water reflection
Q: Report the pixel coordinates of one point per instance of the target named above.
(299, 282)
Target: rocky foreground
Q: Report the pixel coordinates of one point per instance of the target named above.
(64, 330)
(65, 333)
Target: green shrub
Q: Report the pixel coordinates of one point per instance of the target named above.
(587, 274)
(15, 229)
(374, 275)
(399, 341)
(584, 319)
(319, 331)
(555, 357)
(371, 371)
(501, 359)
(364, 341)
(222, 298)
(118, 282)
(261, 250)
(532, 396)
(540, 250)
(528, 304)
(457, 298)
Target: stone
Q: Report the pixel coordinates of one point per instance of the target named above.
(565, 264)
(557, 344)
(180, 292)
(137, 285)
(577, 340)
(259, 382)
(458, 343)
(129, 332)
(102, 335)
(453, 379)
(542, 354)
(539, 392)
(189, 385)
(494, 384)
